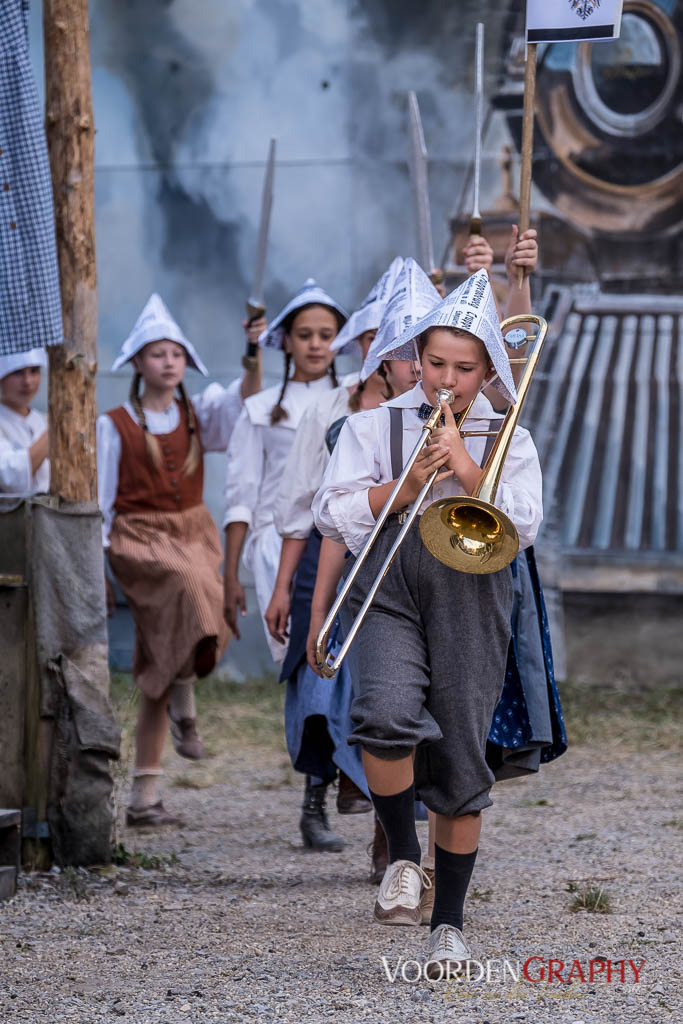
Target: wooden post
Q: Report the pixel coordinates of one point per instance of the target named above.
(527, 146)
(70, 137)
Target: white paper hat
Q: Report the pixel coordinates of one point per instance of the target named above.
(369, 314)
(412, 296)
(311, 292)
(469, 307)
(20, 360)
(154, 323)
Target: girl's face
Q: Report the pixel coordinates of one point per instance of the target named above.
(312, 332)
(365, 340)
(456, 361)
(18, 389)
(401, 374)
(162, 364)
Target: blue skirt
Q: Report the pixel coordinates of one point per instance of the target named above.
(528, 726)
(317, 719)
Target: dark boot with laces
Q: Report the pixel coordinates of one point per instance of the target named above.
(315, 828)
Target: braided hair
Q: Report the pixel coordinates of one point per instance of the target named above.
(194, 453)
(356, 397)
(278, 412)
(387, 391)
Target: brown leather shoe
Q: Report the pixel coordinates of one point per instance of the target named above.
(427, 899)
(186, 738)
(379, 851)
(351, 799)
(153, 816)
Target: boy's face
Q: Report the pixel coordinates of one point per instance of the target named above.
(18, 389)
(456, 361)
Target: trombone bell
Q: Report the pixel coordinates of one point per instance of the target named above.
(469, 535)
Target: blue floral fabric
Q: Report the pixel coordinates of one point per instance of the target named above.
(528, 724)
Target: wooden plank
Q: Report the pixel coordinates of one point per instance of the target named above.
(70, 133)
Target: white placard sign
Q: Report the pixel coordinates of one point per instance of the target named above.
(568, 21)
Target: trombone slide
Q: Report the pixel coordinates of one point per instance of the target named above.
(328, 664)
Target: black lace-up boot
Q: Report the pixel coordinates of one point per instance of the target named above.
(315, 828)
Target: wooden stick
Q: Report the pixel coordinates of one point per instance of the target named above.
(71, 141)
(527, 147)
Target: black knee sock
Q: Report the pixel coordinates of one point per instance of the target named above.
(397, 815)
(452, 873)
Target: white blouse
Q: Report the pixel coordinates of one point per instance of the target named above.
(258, 451)
(217, 410)
(306, 464)
(17, 434)
(362, 459)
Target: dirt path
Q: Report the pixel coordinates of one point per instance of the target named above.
(235, 922)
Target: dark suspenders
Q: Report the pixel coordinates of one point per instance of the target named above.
(396, 440)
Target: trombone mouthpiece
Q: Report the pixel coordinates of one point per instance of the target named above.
(445, 395)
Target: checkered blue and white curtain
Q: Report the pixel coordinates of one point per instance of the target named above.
(30, 307)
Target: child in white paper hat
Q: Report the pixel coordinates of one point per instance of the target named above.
(316, 714)
(162, 544)
(431, 655)
(24, 464)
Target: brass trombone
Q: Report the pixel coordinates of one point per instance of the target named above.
(466, 533)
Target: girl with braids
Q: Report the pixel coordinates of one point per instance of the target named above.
(162, 544)
(260, 444)
(315, 715)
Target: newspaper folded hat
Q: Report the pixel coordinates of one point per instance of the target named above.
(154, 324)
(412, 296)
(369, 314)
(274, 335)
(470, 307)
(20, 360)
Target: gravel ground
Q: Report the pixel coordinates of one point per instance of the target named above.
(232, 921)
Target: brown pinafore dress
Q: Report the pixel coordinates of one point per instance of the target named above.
(166, 554)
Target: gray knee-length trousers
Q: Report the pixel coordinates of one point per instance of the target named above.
(428, 667)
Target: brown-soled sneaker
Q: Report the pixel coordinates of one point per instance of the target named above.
(427, 901)
(154, 816)
(186, 739)
(449, 954)
(379, 852)
(398, 899)
(351, 799)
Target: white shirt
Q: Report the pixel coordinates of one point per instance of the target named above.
(258, 451)
(362, 459)
(17, 434)
(217, 410)
(306, 464)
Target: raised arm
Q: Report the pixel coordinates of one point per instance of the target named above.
(521, 252)
(252, 378)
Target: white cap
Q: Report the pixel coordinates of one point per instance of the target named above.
(20, 360)
(470, 307)
(311, 292)
(155, 323)
(412, 296)
(369, 314)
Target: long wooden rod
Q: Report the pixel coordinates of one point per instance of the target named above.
(70, 133)
(527, 147)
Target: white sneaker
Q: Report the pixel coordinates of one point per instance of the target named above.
(448, 954)
(398, 899)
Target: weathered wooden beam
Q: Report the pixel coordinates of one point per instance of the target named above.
(70, 133)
